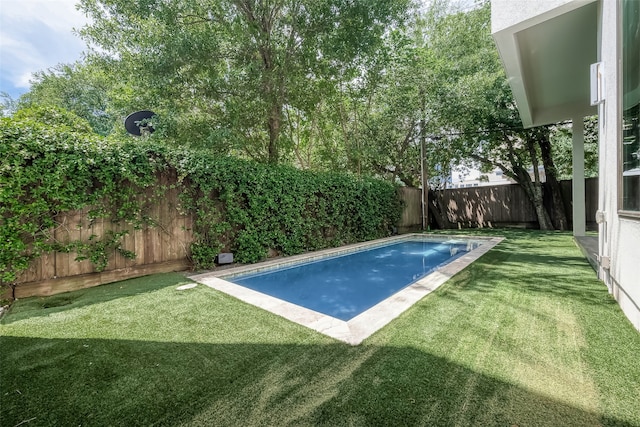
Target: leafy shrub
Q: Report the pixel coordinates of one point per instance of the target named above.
(55, 117)
(261, 207)
(49, 164)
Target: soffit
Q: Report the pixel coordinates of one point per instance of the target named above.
(547, 60)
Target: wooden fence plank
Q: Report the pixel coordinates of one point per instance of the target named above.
(164, 245)
(412, 213)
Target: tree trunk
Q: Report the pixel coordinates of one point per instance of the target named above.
(558, 212)
(271, 80)
(514, 170)
(535, 188)
(273, 124)
(438, 210)
(534, 192)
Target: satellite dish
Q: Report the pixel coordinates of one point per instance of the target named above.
(133, 125)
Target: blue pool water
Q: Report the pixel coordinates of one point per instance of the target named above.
(347, 285)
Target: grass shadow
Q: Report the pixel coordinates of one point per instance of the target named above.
(511, 340)
(121, 382)
(45, 306)
(546, 263)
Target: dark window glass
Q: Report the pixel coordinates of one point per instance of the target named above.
(631, 105)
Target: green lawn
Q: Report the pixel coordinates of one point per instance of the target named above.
(526, 336)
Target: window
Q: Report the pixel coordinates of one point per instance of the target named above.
(631, 105)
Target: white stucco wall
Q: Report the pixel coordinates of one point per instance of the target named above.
(619, 236)
(624, 268)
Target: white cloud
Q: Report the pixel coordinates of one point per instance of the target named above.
(23, 81)
(36, 35)
(60, 15)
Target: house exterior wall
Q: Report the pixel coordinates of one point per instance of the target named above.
(514, 20)
(619, 235)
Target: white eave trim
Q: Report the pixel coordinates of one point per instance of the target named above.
(506, 42)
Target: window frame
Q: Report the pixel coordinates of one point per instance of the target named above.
(631, 214)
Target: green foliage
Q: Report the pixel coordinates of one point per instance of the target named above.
(50, 162)
(97, 250)
(563, 148)
(472, 103)
(252, 209)
(232, 70)
(8, 104)
(79, 87)
(53, 116)
(395, 120)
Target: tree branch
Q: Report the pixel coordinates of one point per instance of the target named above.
(508, 172)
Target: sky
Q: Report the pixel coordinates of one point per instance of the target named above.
(36, 35)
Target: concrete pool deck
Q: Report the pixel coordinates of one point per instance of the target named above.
(363, 325)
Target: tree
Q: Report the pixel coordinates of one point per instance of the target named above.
(381, 118)
(239, 66)
(77, 87)
(474, 105)
(8, 105)
(385, 117)
(54, 117)
(561, 139)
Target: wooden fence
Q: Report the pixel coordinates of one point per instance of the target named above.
(591, 201)
(411, 219)
(165, 247)
(494, 206)
(161, 248)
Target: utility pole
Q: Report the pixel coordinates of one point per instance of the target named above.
(423, 166)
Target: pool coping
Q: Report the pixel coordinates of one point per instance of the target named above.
(366, 323)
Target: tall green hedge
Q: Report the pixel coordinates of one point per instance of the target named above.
(252, 208)
(52, 165)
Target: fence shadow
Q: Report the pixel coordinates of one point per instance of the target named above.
(494, 206)
(45, 306)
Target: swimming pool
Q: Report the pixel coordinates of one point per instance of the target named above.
(346, 285)
(349, 293)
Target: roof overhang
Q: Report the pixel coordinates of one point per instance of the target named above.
(547, 48)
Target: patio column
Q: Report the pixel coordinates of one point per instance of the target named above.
(579, 216)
